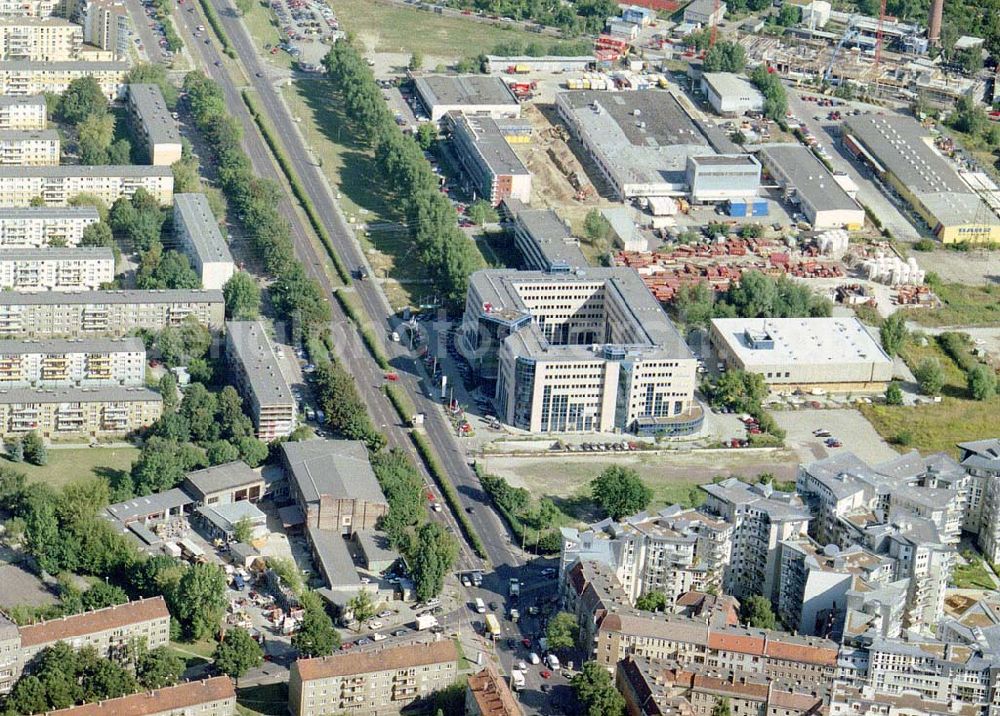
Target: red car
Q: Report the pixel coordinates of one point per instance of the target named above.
(346, 645)
(527, 643)
(545, 673)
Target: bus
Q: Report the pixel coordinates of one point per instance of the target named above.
(492, 626)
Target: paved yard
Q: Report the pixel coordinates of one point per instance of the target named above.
(848, 426)
(19, 586)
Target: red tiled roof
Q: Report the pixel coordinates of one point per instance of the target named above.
(192, 693)
(400, 657)
(47, 632)
(492, 695)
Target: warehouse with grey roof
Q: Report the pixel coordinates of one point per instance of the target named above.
(469, 94)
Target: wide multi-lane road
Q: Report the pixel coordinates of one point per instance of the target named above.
(502, 555)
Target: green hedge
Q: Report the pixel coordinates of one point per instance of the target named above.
(401, 402)
(449, 492)
(296, 183)
(216, 24)
(371, 341)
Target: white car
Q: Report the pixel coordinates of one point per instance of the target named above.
(466, 582)
(534, 658)
(384, 615)
(373, 625)
(522, 666)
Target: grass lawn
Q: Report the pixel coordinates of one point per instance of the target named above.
(390, 28)
(954, 377)
(963, 306)
(69, 464)
(262, 24)
(938, 426)
(973, 575)
(204, 648)
(265, 699)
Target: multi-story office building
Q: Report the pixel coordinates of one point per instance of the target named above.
(55, 186)
(198, 233)
(493, 170)
(153, 124)
(106, 313)
(208, 697)
(38, 148)
(26, 77)
(78, 412)
(27, 113)
(56, 269)
(545, 242)
(40, 226)
(762, 518)
(257, 373)
(58, 363)
(580, 352)
(371, 683)
(34, 39)
(105, 25)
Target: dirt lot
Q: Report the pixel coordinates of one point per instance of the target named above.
(21, 587)
(848, 426)
(979, 266)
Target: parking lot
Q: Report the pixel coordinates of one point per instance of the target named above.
(308, 29)
(846, 426)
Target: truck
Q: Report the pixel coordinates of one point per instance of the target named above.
(515, 588)
(426, 621)
(517, 679)
(492, 626)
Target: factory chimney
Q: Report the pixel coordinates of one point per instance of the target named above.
(934, 26)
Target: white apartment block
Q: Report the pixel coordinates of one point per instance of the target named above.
(580, 352)
(82, 314)
(25, 113)
(78, 413)
(57, 363)
(981, 460)
(56, 269)
(25, 77)
(32, 8)
(153, 124)
(39, 226)
(866, 701)
(197, 230)
(255, 369)
(33, 39)
(105, 25)
(57, 185)
(371, 683)
(38, 148)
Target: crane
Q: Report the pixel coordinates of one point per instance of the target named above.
(715, 23)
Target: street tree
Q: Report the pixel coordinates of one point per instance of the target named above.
(482, 212)
(930, 376)
(426, 135)
(237, 653)
(893, 334)
(562, 632)
(433, 554)
(620, 492)
(242, 296)
(757, 611)
(361, 606)
(596, 691)
(652, 602)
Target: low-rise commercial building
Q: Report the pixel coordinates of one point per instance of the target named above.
(580, 352)
(723, 177)
(39, 39)
(496, 64)
(56, 269)
(153, 124)
(198, 232)
(371, 683)
(899, 151)
(78, 412)
(20, 78)
(23, 113)
(257, 374)
(90, 363)
(805, 182)
(494, 172)
(834, 354)
(705, 12)
(80, 314)
(221, 484)
(469, 94)
(208, 697)
(731, 95)
(544, 240)
(55, 186)
(40, 226)
(37, 148)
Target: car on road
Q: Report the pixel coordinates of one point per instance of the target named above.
(821, 433)
(545, 673)
(466, 582)
(364, 641)
(493, 606)
(534, 658)
(522, 666)
(258, 74)
(373, 625)
(400, 632)
(385, 614)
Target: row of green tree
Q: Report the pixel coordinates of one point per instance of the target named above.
(775, 98)
(294, 295)
(573, 18)
(448, 255)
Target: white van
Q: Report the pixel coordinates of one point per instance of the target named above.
(480, 606)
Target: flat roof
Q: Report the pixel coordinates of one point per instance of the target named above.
(335, 559)
(28, 135)
(256, 354)
(377, 546)
(83, 170)
(53, 213)
(727, 84)
(114, 393)
(336, 468)
(33, 99)
(152, 110)
(131, 297)
(488, 140)
(810, 341)
(139, 507)
(227, 476)
(14, 21)
(60, 253)
(82, 345)
(551, 238)
(464, 90)
(527, 59)
(644, 136)
(66, 66)
(226, 514)
(725, 160)
(807, 175)
(202, 228)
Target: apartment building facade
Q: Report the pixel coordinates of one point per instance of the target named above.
(39, 148)
(34, 39)
(256, 372)
(23, 113)
(57, 185)
(981, 460)
(20, 78)
(39, 226)
(197, 230)
(74, 413)
(208, 697)
(58, 363)
(153, 124)
(105, 25)
(492, 168)
(56, 269)
(32, 8)
(371, 683)
(580, 352)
